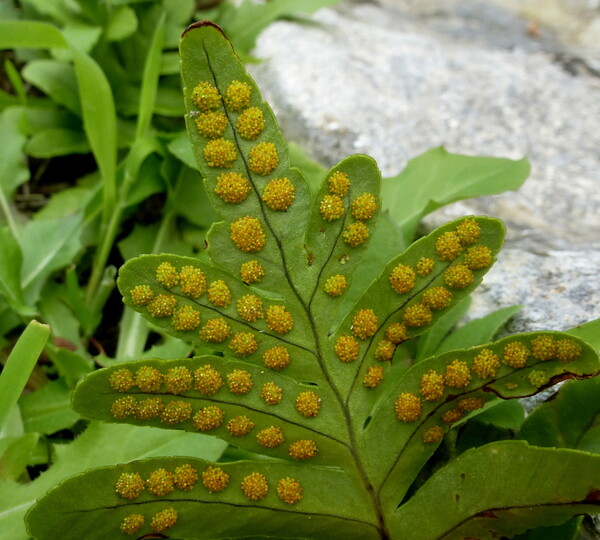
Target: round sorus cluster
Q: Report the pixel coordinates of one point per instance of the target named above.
(458, 276)
(185, 477)
(402, 278)
(247, 234)
(162, 306)
(132, 523)
(543, 348)
(270, 437)
(279, 194)
(452, 416)
(215, 330)
(364, 206)
(215, 479)
(385, 351)
(252, 272)
(243, 344)
(433, 434)
(192, 281)
(237, 96)
(166, 274)
(355, 234)
(141, 295)
(515, 354)
(407, 407)
(130, 486)
(207, 380)
(178, 380)
(123, 407)
(486, 364)
(417, 315)
(308, 404)
(338, 184)
(346, 348)
(331, 207)
(232, 187)
(303, 449)
(396, 333)
(255, 487)
(432, 385)
(567, 350)
(219, 294)
(239, 382)
(468, 231)
(263, 158)
(212, 124)
(208, 418)
(336, 285)
(470, 404)
(437, 298)
(176, 412)
(149, 408)
(160, 483)
(279, 319)
(206, 96)
(239, 426)
(271, 393)
(276, 358)
(220, 153)
(251, 123)
(121, 380)
(250, 308)
(163, 520)
(448, 246)
(537, 378)
(289, 490)
(185, 318)
(478, 257)
(373, 376)
(364, 323)
(425, 266)
(457, 374)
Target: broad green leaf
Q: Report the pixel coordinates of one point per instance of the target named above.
(10, 269)
(48, 409)
(19, 364)
(437, 177)
(14, 455)
(478, 331)
(570, 420)
(30, 34)
(96, 448)
(531, 487)
(412, 418)
(589, 332)
(13, 172)
(50, 143)
(122, 24)
(329, 504)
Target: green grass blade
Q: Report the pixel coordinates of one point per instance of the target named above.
(18, 367)
(30, 34)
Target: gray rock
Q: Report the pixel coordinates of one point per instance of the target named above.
(368, 79)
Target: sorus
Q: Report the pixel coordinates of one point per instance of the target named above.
(338, 183)
(240, 426)
(212, 124)
(220, 153)
(437, 298)
(162, 306)
(364, 206)
(417, 315)
(364, 324)
(176, 412)
(208, 418)
(279, 194)
(130, 486)
(478, 257)
(250, 123)
(123, 407)
(270, 437)
(239, 382)
(271, 393)
(192, 281)
(433, 435)
(373, 376)
(250, 308)
(402, 278)
(432, 385)
(458, 276)
(407, 407)
(279, 319)
(289, 490)
(232, 187)
(355, 234)
(276, 358)
(186, 318)
(247, 234)
(543, 348)
(303, 449)
(255, 486)
(331, 207)
(141, 295)
(215, 330)
(385, 350)
(149, 408)
(237, 96)
(132, 523)
(468, 231)
(346, 348)
(163, 520)
(537, 378)
(215, 479)
(206, 96)
(263, 158)
(486, 364)
(515, 354)
(308, 403)
(243, 344)
(567, 350)
(178, 380)
(336, 285)
(219, 294)
(207, 380)
(252, 272)
(448, 246)
(396, 333)
(452, 416)
(160, 483)
(121, 380)
(457, 374)
(470, 404)
(425, 266)
(185, 477)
